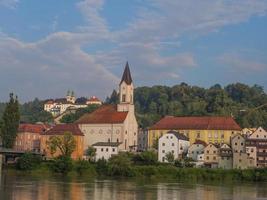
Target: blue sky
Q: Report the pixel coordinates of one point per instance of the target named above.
(48, 47)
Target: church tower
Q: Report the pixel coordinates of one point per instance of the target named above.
(126, 90)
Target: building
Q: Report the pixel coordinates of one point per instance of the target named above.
(113, 123)
(226, 157)
(60, 130)
(208, 129)
(105, 150)
(142, 140)
(196, 149)
(172, 142)
(211, 155)
(256, 145)
(28, 137)
(241, 159)
(58, 106)
(93, 100)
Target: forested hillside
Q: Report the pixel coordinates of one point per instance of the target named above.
(238, 100)
(31, 112)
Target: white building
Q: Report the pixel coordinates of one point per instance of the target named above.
(196, 149)
(58, 106)
(105, 150)
(113, 123)
(172, 142)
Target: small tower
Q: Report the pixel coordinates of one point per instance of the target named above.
(126, 90)
(70, 97)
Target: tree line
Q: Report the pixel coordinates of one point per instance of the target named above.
(238, 100)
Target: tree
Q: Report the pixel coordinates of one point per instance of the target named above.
(66, 144)
(91, 153)
(146, 158)
(10, 122)
(28, 161)
(169, 157)
(120, 165)
(62, 164)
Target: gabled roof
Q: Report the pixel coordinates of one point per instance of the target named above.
(127, 75)
(109, 144)
(179, 136)
(196, 123)
(106, 114)
(200, 142)
(33, 128)
(60, 129)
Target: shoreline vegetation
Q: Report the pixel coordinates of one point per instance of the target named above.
(127, 165)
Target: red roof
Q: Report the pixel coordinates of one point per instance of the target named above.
(196, 123)
(33, 128)
(200, 142)
(94, 98)
(60, 129)
(106, 114)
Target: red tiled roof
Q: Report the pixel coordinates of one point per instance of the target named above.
(196, 123)
(33, 128)
(60, 129)
(93, 98)
(200, 142)
(106, 114)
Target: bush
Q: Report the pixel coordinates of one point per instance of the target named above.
(101, 167)
(28, 161)
(81, 166)
(146, 158)
(120, 165)
(62, 164)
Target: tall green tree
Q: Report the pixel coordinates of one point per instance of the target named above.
(10, 122)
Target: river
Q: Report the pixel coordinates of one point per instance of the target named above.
(27, 187)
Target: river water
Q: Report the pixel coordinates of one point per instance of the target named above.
(27, 187)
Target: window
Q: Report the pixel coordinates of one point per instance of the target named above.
(123, 98)
(172, 144)
(171, 137)
(216, 135)
(163, 159)
(208, 158)
(208, 151)
(163, 144)
(117, 139)
(222, 135)
(198, 134)
(214, 157)
(242, 144)
(113, 149)
(163, 151)
(209, 134)
(235, 143)
(172, 151)
(102, 149)
(106, 149)
(214, 152)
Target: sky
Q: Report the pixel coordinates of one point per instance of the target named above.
(48, 47)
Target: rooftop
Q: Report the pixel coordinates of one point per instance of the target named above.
(196, 123)
(126, 77)
(33, 128)
(179, 136)
(110, 144)
(106, 114)
(61, 129)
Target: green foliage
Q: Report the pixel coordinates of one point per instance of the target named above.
(120, 165)
(101, 167)
(72, 117)
(91, 153)
(152, 103)
(146, 158)
(178, 163)
(169, 157)
(113, 99)
(82, 166)
(33, 111)
(66, 144)
(28, 161)
(62, 164)
(10, 122)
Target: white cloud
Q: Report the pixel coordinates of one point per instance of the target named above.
(241, 63)
(9, 3)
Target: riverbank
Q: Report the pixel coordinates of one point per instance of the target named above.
(149, 171)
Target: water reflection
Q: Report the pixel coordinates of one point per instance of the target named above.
(32, 188)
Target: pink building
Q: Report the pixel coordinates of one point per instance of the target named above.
(29, 135)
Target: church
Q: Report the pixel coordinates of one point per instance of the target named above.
(113, 124)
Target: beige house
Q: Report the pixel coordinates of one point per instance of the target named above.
(196, 149)
(226, 157)
(113, 123)
(241, 159)
(211, 155)
(256, 145)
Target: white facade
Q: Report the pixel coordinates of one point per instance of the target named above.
(260, 133)
(194, 150)
(105, 151)
(172, 142)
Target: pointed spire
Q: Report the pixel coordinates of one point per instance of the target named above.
(126, 75)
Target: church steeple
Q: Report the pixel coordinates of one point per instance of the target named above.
(126, 77)
(126, 91)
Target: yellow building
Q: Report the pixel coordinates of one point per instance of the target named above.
(208, 129)
(60, 130)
